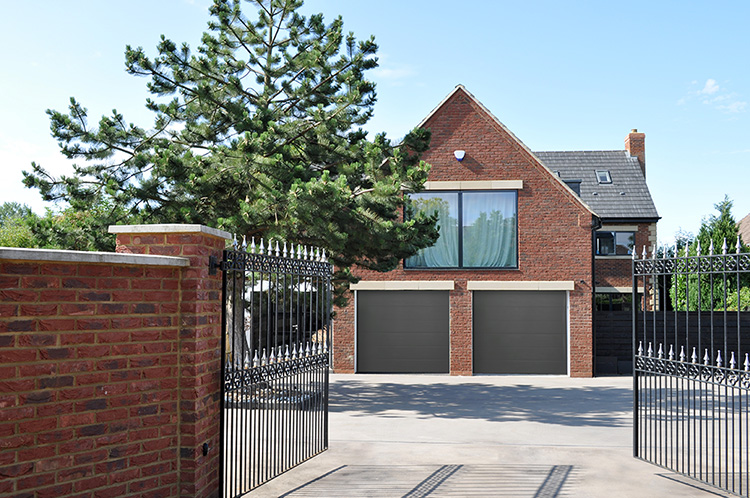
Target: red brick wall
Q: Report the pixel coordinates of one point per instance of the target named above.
(617, 271)
(109, 375)
(554, 233)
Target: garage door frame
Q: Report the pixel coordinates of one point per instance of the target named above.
(567, 286)
(415, 285)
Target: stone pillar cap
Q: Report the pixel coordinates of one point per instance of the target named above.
(170, 228)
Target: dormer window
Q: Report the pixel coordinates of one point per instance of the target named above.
(603, 176)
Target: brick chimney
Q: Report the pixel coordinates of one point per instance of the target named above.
(635, 144)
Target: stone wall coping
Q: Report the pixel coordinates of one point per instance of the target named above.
(170, 228)
(112, 258)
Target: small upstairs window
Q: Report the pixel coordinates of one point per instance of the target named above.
(614, 243)
(602, 176)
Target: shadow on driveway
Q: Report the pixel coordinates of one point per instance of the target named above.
(597, 406)
(437, 481)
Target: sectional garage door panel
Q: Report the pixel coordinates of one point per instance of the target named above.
(402, 332)
(520, 332)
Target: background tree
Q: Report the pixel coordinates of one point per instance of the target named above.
(257, 132)
(13, 210)
(57, 229)
(15, 230)
(682, 239)
(707, 291)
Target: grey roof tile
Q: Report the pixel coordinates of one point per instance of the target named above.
(627, 197)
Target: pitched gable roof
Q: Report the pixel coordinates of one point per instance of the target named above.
(627, 197)
(518, 144)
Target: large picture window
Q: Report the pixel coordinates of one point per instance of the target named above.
(477, 230)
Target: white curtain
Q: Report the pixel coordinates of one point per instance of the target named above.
(489, 229)
(444, 254)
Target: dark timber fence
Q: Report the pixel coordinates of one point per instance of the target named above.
(614, 334)
(691, 378)
(276, 321)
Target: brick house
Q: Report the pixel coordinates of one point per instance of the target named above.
(744, 228)
(530, 243)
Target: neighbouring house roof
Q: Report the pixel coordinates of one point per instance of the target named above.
(627, 197)
(744, 226)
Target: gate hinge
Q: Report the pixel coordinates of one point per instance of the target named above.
(213, 265)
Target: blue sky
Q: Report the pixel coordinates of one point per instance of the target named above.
(560, 75)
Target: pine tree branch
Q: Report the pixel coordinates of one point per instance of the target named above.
(278, 26)
(81, 119)
(321, 83)
(312, 127)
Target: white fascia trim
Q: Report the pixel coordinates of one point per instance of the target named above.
(539, 285)
(616, 290)
(170, 228)
(622, 256)
(441, 285)
(475, 185)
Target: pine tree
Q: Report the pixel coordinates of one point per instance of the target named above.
(257, 132)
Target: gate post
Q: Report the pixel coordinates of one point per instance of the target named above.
(633, 354)
(199, 344)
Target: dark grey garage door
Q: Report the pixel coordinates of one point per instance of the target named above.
(520, 332)
(402, 331)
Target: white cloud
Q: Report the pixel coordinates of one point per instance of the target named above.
(733, 107)
(716, 96)
(392, 73)
(710, 88)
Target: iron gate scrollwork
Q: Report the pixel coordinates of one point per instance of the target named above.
(691, 375)
(276, 322)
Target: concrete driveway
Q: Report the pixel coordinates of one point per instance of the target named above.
(411, 436)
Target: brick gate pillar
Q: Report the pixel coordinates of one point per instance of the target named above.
(199, 343)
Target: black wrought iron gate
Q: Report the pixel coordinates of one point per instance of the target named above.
(691, 382)
(276, 322)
